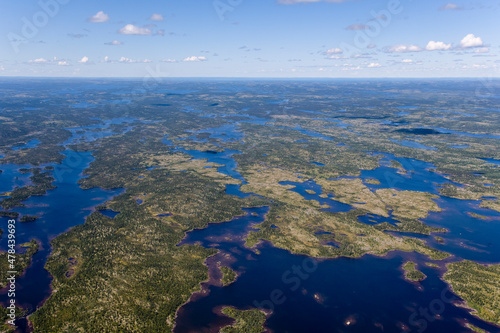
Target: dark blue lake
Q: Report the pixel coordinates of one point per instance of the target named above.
(220, 157)
(491, 160)
(301, 294)
(58, 210)
(30, 144)
(416, 175)
(468, 237)
(11, 177)
(413, 144)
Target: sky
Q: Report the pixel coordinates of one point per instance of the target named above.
(250, 38)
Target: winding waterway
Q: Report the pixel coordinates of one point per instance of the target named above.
(300, 294)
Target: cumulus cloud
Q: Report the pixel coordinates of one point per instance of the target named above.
(361, 55)
(482, 50)
(123, 59)
(471, 41)
(450, 6)
(193, 58)
(168, 60)
(374, 65)
(358, 27)
(115, 42)
(38, 61)
(156, 17)
(131, 29)
(407, 61)
(99, 17)
(335, 50)
(84, 60)
(437, 46)
(52, 61)
(336, 57)
(130, 61)
(401, 48)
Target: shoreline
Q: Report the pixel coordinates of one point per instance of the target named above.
(32, 308)
(462, 303)
(213, 267)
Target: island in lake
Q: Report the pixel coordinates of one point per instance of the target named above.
(251, 205)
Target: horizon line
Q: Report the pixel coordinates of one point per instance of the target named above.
(252, 77)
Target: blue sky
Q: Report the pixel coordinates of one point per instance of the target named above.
(250, 38)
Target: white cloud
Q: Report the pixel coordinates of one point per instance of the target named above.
(374, 65)
(335, 50)
(52, 61)
(131, 29)
(361, 55)
(471, 41)
(123, 59)
(168, 60)
(482, 50)
(352, 68)
(84, 60)
(437, 46)
(193, 58)
(401, 48)
(156, 17)
(131, 61)
(336, 57)
(39, 61)
(99, 17)
(407, 61)
(115, 42)
(450, 6)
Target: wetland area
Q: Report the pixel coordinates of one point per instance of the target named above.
(252, 205)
